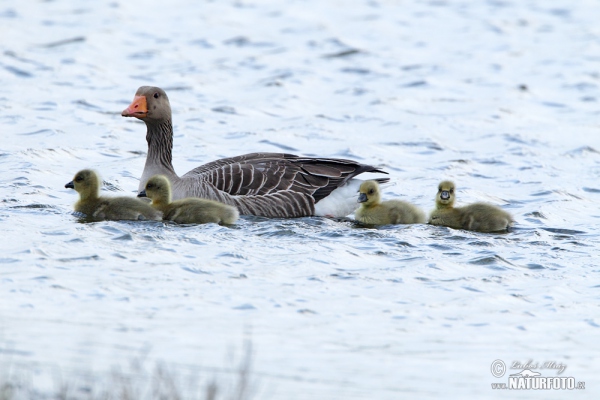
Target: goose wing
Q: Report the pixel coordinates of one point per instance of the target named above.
(263, 174)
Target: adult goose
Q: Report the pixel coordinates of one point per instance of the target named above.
(266, 184)
(480, 217)
(87, 183)
(186, 211)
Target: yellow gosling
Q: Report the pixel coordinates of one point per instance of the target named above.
(480, 217)
(87, 183)
(375, 212)
(191, 210)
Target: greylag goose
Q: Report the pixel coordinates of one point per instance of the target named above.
(186, 211)
(87, 183)
(375, 212)
(480, 217)
(265, 184)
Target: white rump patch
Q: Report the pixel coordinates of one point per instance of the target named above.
(341, 202)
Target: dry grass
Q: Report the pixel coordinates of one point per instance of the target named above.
(136, 382)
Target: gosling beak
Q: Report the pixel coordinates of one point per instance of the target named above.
(70, 185)
(142, 194)
(138, 108)
(445, 195)
(362, 197)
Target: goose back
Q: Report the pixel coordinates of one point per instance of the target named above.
(125, 208)
(485, 217)
(450, 217)
(391, 212)
(200, 211)
(269, 184)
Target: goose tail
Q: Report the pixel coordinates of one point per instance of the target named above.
(342, 201)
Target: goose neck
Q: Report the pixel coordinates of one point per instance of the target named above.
(160, 143)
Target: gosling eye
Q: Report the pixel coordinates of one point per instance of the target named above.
(451, 191)
(371, 191)
(156, 95)
(78, 179)
(150, 186)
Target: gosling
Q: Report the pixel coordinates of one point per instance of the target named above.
(87, 183)
(189, 210)
(375, 212)
(480, 217)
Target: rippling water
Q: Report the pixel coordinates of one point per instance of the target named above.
(500, 96)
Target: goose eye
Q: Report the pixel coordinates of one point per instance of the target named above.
(78, 179)
(156, 95)
(451, 191)
(371, 191)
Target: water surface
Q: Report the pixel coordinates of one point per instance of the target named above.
(501, 97)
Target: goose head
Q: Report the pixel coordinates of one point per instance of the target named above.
(86, 182)
(368, 193)
(149, 104)
(445, 196)
(158, 189)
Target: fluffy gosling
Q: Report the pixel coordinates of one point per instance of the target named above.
(480, 217)
(375, 212)
(87, 183)
(189, 210)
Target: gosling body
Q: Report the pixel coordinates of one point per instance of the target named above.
(375, 212)
(191, 210)
(480, 217)
(87, 183)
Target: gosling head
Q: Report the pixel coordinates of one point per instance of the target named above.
(86, 182)
(150, 104)
(368, 193)
(158, 189)
(445, 196)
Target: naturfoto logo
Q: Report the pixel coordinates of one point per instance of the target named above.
(529, 379)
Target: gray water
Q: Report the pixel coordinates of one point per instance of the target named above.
(499, 96)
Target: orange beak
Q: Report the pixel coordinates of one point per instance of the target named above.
(137, 108)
